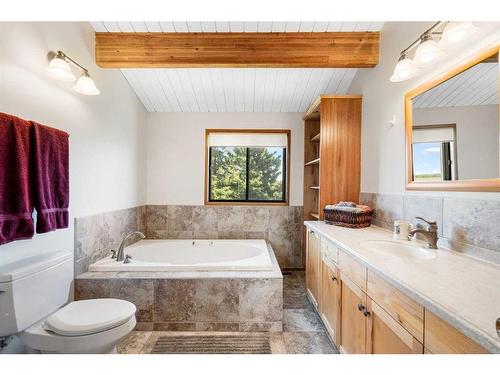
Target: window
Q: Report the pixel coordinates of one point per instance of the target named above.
(434, 153)
(247, 166)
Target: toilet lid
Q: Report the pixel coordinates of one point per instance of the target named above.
(90, 316)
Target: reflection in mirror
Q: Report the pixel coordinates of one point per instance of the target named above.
(456, 132)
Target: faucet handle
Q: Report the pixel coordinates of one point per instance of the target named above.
(127, 259)
(113, 254)
(431, 223)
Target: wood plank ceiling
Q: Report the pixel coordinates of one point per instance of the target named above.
(235, 89)
(476, 86)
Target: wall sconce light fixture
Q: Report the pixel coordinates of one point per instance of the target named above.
(60, 69)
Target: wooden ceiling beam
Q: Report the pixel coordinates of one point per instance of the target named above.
(237, 50)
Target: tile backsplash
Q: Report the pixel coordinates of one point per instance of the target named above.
(471, 226)
(282, 226)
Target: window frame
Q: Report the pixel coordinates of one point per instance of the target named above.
(286, 171)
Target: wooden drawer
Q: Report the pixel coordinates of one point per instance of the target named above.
(352, 269)
(442, 338)
(397, 304)
(329, 250)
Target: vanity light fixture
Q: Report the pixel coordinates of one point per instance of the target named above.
(430, 46)
(60, 69)
(428, 51)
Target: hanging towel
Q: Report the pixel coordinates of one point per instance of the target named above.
(15, 195)
(50, 177)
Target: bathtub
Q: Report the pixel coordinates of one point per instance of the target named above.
(191, 255)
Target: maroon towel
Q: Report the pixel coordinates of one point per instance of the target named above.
(15, 196)
(50, 177)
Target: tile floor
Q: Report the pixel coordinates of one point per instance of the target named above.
(303, 331)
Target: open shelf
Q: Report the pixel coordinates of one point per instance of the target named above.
(314, 215)
(314, 188)
(312, 162)
(316, 138)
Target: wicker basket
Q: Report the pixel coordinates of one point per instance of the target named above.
(347, 219)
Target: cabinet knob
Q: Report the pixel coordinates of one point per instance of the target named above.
(334, 278)
(366, 312)
(360, 307)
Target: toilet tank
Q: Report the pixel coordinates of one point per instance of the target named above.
(32, 289)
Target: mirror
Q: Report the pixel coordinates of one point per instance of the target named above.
(453, 131)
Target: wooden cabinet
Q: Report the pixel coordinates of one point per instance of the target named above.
(352, 320)
(330, 298)
(385, 335)
(313, 265)
(441, 338)
(364, 314)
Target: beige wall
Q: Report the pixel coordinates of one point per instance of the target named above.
(477, 136)
(107, 156)
(176, 152)
(383, 145)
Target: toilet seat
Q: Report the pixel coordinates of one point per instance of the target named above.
(89, 316)
(70, 330)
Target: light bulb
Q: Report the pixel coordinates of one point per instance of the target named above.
(59, 69)
(404, 69)
(86, 86)
(427, 52)
(455, 32)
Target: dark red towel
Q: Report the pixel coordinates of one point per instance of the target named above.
(15, 196)
(50, 177)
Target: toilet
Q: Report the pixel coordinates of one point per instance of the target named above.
(34, 296)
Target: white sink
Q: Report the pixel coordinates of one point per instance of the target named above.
(399, 249)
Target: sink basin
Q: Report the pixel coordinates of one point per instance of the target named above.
(399, 249)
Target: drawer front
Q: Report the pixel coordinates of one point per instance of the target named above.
(386, 336)
(397, 304)
(353, 269)
(442, 338)
(329, 250)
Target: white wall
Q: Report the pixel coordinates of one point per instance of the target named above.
(383, 156)
(107, 155)
(477, 136)
(176, 152)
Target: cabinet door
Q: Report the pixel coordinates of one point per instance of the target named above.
(384, 335)
(352, 321)
(330, 299)
(313, 266)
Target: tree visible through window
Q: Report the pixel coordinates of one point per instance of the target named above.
(253, 174)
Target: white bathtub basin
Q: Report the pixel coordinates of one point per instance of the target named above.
(191, 255)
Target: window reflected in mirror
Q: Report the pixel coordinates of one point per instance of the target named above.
(456, 132)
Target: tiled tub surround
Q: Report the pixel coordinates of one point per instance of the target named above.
(282, 226)
(97, 235)
(470, 226)
(194, 301)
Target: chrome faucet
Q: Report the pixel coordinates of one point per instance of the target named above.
(119, 253)
(430, 232)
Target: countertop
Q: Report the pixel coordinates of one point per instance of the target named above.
(462, 290)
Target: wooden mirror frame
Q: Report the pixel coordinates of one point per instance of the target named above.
(492, 184)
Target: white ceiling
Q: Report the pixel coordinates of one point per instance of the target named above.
(476, 86)
(235, 89)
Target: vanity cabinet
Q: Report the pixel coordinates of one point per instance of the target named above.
(365, 314)
(313, 266)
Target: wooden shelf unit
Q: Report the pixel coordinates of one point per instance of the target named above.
(332, 134)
